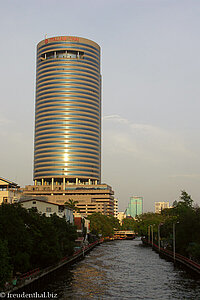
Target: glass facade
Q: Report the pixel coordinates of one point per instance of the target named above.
(135, 207)
(68, 109)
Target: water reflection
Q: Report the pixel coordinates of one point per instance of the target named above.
(124, 270)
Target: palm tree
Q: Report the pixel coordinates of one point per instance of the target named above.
(72, 204)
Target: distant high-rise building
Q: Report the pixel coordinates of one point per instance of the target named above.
(135, 207)
(159, 206)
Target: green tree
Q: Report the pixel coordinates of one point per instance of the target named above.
(145, 220)
(5, 267)
(128, 224)
(34, 240)
(103, 225)
(186, 199)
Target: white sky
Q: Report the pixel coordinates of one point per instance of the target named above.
(150, 95)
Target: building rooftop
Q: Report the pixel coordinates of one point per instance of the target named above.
(7, 183)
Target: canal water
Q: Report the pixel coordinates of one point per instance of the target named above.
(124, 270)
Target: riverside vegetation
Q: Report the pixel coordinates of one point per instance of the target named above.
(29, 240)
(184, 213)
(186, 217)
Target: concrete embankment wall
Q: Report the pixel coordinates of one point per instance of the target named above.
(31, 278)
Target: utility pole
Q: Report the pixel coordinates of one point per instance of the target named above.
(152, 234)
(159, 236)
(174, 243)
(149, 227)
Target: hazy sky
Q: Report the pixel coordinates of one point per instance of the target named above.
(150, 92)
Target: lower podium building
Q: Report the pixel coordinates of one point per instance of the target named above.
(91, 198)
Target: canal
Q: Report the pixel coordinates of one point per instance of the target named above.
(124, 270)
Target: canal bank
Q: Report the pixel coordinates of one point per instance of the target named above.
(122, 270)
(175, 257)
(30, 278)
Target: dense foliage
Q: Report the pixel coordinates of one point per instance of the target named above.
(186, 218)
(103, 225)
(29, 240)
(128, 224)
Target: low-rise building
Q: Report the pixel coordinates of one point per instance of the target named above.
(159, 206)
(48, 208)
(9, 191)
(120, 217)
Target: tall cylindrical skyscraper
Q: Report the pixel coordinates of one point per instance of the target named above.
(68, 111)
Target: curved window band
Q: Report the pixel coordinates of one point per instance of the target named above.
(76, 71)
(85, 130)
(68, 96)
(49, 75)
(59, 102)
(63, 161)
(67, 144)
(43, 125)
(76, 152)
(82, 76)
(66, 91)
(42, 122)
(67, 139)
(54, 66)
(66, 83)
(68, 110)
(69, 164)
(65, 173)
(67, 87)
(83, 133)
(94, 157)
(64, 113)
(87, 62)
(67, 169)
(46, 125)
(40, 118)
(71, 147)
(67, 79)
